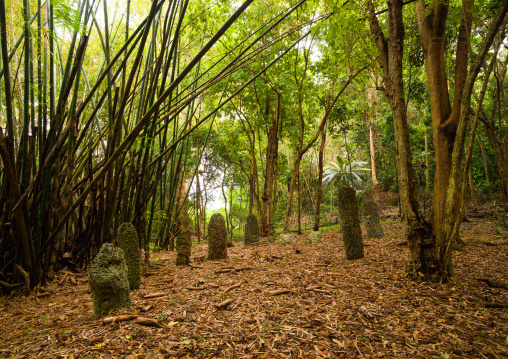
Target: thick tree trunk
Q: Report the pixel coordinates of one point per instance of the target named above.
(422, 248)
(432, 25)
(452, 219)
(271, 158)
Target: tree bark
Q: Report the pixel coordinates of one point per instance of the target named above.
(452, 218)
(432, 25)
(319, 196)
(423, 257)
(271, 158)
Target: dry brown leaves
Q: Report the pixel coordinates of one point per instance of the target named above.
(279, 301)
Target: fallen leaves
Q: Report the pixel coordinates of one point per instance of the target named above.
(272, 302)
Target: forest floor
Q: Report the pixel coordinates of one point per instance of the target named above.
(297, 300)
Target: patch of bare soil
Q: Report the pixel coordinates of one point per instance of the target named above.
(280, 301)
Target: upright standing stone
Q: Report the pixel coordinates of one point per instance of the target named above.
(127, 239)
(108, 280)
(350, 223)
(251, 230)
(217, 241)
(501, 221)
(183, 243)
(371, 217)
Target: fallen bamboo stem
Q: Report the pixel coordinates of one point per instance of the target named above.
(279, 292)
(233, 287)
(120, 318)
(224, 304)
(150, 322)
(153, 295)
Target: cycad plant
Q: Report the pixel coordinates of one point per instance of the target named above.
(352, 173)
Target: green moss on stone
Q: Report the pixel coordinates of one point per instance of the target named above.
(217, 241)
(371, 217)
(501, 221)
(108, 280)
(350, 223)
(127, 239)
(251, 230)
(183, 247)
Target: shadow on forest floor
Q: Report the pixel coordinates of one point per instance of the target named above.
(287, 301)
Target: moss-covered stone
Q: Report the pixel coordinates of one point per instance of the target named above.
(251, 230)
(315, 236)
(501, 221)
(183, 247)
(371, 217)
(286, 238)
(108, 280)
(217, 241)
(350, 223)
(183, 243)
(128, 241)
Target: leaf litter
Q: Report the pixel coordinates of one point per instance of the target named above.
(299, 300)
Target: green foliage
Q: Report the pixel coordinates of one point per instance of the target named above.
(343, 173)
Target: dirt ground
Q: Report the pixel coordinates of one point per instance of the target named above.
(297, 300)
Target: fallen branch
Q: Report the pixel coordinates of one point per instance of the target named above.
(495, 305)
(154, 295)
(147, 308)
(224, 304)
(149, 322)
(232, 287)
(195, 288)
(42, 295)
(120, 318)
(8, 285)
(321, 291)
(279, 292)
(224, 270)
(195, 266)
(491, 244)
(492, 284)
(243, 268)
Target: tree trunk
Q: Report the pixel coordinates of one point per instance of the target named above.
(432, 25)
(452, 218)
(319, 196)
(271, 157)
(423, 257)
(427, 169)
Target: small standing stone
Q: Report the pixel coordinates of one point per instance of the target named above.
(287, 238)
(371, 217)
(350, 223)
(251, 230)
(315, 236)
(108, 280)
(183, 243)
(501, 221)
(128, 241)
(217, 241)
